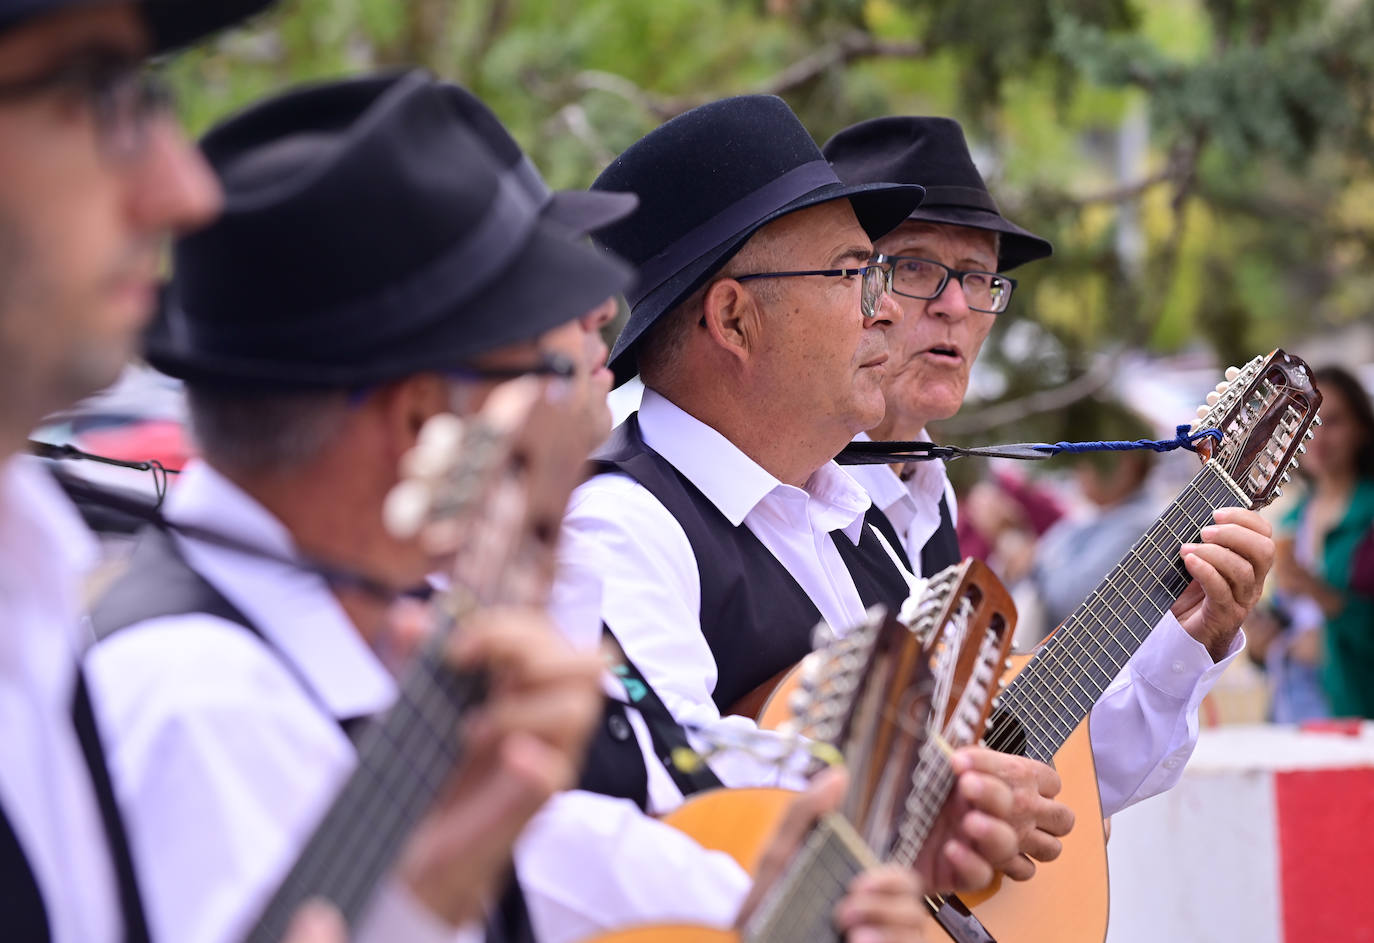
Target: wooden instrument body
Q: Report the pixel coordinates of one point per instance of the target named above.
(1067, 899)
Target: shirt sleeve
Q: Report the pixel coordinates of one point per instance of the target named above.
(222, 767)
(1145, 725)
(589, 864)
(621, 546)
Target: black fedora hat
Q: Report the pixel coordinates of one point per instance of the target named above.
(579, 211)
(933, 152)
(708, 180)
(173, 23)
(367, 235)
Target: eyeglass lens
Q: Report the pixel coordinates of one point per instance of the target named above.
(923, 278)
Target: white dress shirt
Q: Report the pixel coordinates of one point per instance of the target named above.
(618, 537)
(1145, 725)
(45, 785)
(223, 757)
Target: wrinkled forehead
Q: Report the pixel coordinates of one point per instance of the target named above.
(962, 243)
(47, 41)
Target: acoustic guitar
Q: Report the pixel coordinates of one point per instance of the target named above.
(486, 493)
(1265, 414)
(887, 696)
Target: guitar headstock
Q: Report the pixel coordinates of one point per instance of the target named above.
(1265, 411)
(484, 495)
(967, 636)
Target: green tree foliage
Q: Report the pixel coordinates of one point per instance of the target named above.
(1243, 218)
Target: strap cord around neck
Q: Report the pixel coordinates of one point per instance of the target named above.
(893, 452)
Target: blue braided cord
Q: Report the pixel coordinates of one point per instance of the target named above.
(1182, 440)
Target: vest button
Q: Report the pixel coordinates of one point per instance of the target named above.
(618, 727)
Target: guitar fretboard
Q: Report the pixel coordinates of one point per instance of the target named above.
(1059, 686)
(405, 758)
(801, 906)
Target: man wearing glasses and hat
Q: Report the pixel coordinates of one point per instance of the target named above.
(719, 532)
(372, 267)
(94, 174)
(949, 257)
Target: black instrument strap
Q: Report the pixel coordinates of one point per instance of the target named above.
(83, 717)
(666, 733)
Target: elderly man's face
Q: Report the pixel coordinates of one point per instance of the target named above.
(818, 354)
(934, 347)
(80, 228)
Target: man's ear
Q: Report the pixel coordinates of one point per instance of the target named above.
(406, 405)
(732, 317)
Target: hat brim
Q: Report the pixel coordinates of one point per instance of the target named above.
(552, 281)
(879, 208)
(583, 212)
(173, 23)
(1017, 246)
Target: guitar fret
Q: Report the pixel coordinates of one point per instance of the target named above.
(1061, 683)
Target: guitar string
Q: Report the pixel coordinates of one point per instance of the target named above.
(1057, 659)
(395, 780)
(1054, 667)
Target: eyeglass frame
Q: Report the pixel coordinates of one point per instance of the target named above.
(124, 97)
(881, 262)
(944, 282)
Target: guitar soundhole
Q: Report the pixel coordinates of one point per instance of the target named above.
(1006, 733)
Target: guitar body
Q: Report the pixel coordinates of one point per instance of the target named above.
(739, 822)
(1066, 901)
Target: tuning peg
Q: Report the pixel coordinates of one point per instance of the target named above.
(1212, 398)
(1285, 479)
(1278, 492)
(1316, 420)
(1302, 449)
(1232, 372)
(405, 508)
(1202, 412)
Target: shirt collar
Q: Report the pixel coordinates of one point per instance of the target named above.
(50, 547)
(293, 607)
(734, 482)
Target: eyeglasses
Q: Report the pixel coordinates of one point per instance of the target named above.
(925, 278)
(876, 275)
(124, 98)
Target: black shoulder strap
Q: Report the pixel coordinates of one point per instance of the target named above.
(135, 922)
(670, 740)
(942, 549)
(159, 582)
(21, 902)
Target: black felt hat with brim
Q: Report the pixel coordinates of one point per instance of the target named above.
(579, 211)
(173, 23)
(367, 235)
(709, 179)
(933, 153)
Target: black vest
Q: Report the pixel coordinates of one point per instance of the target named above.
(159, 582)
(756, 618)
(23, 913)
(942, 549)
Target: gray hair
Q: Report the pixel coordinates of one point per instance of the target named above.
(261, 432)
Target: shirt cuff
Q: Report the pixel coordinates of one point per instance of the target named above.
(395, 914)
(1174, 663)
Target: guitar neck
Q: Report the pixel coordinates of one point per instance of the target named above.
(801, 905)
(1057, 689)
(404, 759)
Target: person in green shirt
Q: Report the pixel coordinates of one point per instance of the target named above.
(1320, 536)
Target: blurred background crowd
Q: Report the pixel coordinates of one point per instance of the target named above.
(1203, 167)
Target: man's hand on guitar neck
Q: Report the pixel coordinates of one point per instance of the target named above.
(884, 904)
(1036, 818)
(1228, 570)
(974, 835)
(523, 745)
